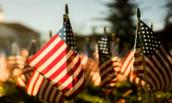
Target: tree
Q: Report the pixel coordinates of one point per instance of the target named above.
(120, 16)
(169, 13)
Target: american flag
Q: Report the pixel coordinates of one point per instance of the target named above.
(157, 63)
(91, 70)
(127, 72)
(135, 79)
(51, 95)
(58, 61)
(127, 64)
(15, 61)
(44, 89)
(67, 34)
(107, 64)
(22, 79)
(84, 59)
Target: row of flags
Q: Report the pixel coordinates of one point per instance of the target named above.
(57, 71)
(156, 64)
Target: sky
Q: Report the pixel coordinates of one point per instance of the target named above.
(45, 15)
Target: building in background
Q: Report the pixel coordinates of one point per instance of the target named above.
(15, 32)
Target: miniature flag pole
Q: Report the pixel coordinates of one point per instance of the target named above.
(105, 31)
(148, 95)
(66, 15)
(151, 26)
(50, 34)
(66, 10)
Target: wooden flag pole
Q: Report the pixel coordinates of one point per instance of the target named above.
(66, 16)
(32, 48)
(105, 31)
(148, 96)
(113, 36)
(138, 13)
(50, 34)
(113, 44)
(66, 9)
(151, 26)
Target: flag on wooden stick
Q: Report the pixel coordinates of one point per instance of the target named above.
(91, 70)
(46, 91)
(58, 62)
(15, 60)
(156, 61)
(127, 64)
(127, 71)
(22, 79)
(107, 64)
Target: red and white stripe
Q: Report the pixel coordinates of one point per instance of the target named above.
(129, 71)
(16, 62)
(59, 64)
(108, 71)
(158, 70)
(84, 59)
(91, 71)
(127, 64)
(44, 89)
(22, 79)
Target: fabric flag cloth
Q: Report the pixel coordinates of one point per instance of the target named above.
(16, 62)
(156, 61)
(46, 92)
(91, 70)
(44, 89)
(5, 71)
(27, 70)
(127, 64)
(58, 62)
(84, 58)
(23, 78)
(127, 69)
(107, 64)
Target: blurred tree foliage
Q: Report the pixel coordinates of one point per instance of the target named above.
(169, 12)
(121, 13)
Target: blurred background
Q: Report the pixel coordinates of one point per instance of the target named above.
(22, 21)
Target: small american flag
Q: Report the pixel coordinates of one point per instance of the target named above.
(15, 61)
(127, 64)
(91, 70)
(67, 34)
(22, 79)
(128, 71)
(58, 61)
(44, 89)
(51, 95)
(157, 62)
(107, 64)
